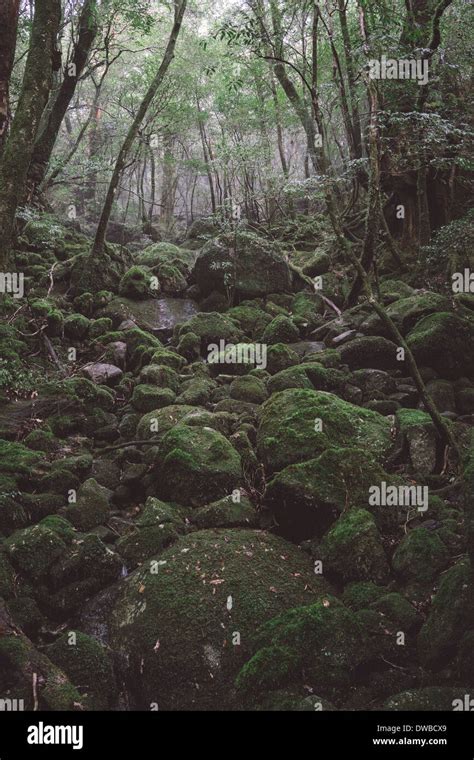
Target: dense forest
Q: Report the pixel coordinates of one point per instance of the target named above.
(236, 355)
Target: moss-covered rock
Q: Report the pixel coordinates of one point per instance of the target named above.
(91, 508)
(244, 263)
(196, 466)
(232, 511)
(280, 330)
(137, 284)
(307, 498)
(406, 312)
(177, 621)
(250, 318)
(352, 549)
(144, 543)
(33, 550)
(76, 327)
(420, 556)
(145, 398)
(323, 640)
(157, 423)
(212, 327)
(450, 616)
(88, 665)
(445, 342)
(280, 357)
(297, 425)
(371, 351)
(248, 389)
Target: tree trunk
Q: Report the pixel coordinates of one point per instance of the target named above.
(41, 61)
(9, 10)
(46, 140)
(99, 241)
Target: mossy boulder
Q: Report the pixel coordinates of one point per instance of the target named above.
(146, 542)
(324, 641)
(280, 330)
(145, 398)
(212, 327)
(196, 466)
(232, 511)
(420, 556)
(157, 423)
(445, 342)
(297, 425)
(249, 318)
(76, 327)
(33, 550)
(248, 388)
(307, 498)
(88, 665)
(91, 508)
(371, 351)
(352, 549)
(16, 461)
(406, 312)
(188, 618)
(244, 263)
(450, 616)
(280, 357)
(139, 283)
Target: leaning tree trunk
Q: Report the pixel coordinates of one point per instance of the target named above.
(99, 241)
(42, 58)
(9, 10)
(44, 145)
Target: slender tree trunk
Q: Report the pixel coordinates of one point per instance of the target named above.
(206, 157)
(9, 10)
(99, 241)
(44, 145)
(42, 59)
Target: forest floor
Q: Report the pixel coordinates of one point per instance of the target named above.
(219, 489)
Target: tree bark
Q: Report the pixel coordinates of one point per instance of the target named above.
(44, 144)
(9, 10)
(99, 241)
(42, 59)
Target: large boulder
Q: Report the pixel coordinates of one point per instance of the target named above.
(196, 466)
(244, 263)
(182, 625)
(444, 342)
(298, 424)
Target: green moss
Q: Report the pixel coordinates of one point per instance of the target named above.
(270, 668)
(248, 389)
(142, 544)
(324, 640)
(420, 556)
(156, 423)
(33, 550)
(99, 327)
(135, 284)
(76, 327)
(352, 549)
(450, 616)
(89, 667)
(280, 330)
(288, 431)
(184, 605)
(92, 507)
(361, 594)
(280, 357)
(196, 465)
(398, 610)
(160, 376)
(251, 319)
(145, 398)
(226, 513)
(445, 342)
(165, 358)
